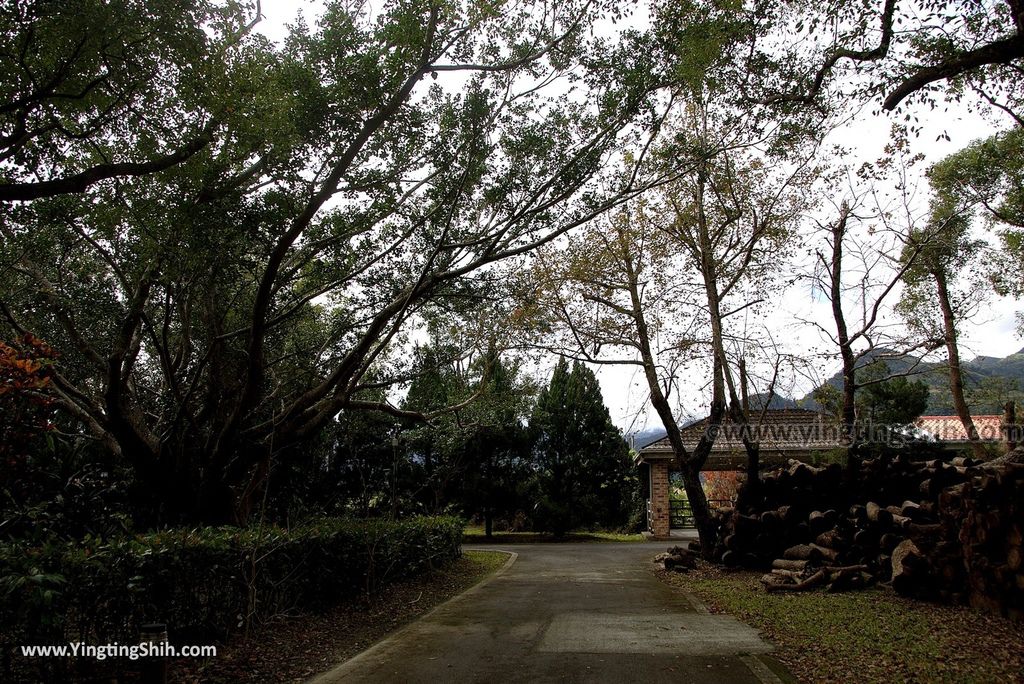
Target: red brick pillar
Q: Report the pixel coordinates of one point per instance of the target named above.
(659, 500)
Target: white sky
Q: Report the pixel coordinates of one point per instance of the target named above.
(992, 334)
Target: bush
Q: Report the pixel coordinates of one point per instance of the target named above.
(207, 582)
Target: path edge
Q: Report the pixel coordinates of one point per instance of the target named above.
(337, 673)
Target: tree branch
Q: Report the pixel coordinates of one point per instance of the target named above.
(79, 182)
(998, 52)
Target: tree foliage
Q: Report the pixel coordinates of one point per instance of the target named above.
(95, 91)
(941, 294)
(854, 271)
(584, 475)
(218, 311)
(985, 180)
(476, 459)
(887, 52)
(667, 283)
(887, 400)
(233, 244)
(26, 369)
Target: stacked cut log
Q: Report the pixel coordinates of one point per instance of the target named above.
(987, 515)
(833, 578)
(885, 527)
(951, 531)
(679, 559)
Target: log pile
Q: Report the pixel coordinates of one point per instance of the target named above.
(950, 531)
(987, 515)
(817, 527)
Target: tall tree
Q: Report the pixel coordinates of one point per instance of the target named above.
(581, 457)
(613, 297)
(666, 283)
(442, 379)
(734, 219)
(476, 458)
(985, 182)
(859, 294)
(215, 315)
(499, 444)
(932, 302)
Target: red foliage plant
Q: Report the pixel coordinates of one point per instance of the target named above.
(26, 407)
(720, 486)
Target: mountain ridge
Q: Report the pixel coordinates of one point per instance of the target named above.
(989, 382)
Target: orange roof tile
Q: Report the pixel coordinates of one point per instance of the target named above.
(950, 429)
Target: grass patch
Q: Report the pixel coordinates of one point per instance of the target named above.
(865, 636)
(475, 535)
(293, 649)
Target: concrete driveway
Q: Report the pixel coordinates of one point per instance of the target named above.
(567, 613)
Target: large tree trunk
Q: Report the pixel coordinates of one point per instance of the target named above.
(749, 498)
(707, 528)
(753, 491)
(848, 416)
(956, 380)
(723, 381)
(689, 464)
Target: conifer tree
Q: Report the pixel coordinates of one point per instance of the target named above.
(584, 478)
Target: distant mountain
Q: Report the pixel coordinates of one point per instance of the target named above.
(989, 381)
(777, 402)
(1011, 366)
(642, 438)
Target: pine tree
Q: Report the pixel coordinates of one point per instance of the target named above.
(584, 478)
(493, 485)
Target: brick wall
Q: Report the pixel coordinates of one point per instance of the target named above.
(659, 508)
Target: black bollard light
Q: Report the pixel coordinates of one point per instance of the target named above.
(154, 668)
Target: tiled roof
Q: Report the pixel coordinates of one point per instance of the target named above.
(781, 430)
(950, 429)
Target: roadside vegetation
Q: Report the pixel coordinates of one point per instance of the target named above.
(866, 636)
(301, 646)
(204, 584)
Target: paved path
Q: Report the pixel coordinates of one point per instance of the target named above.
(567, 613)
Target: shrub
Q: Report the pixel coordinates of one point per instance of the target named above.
(207, 582)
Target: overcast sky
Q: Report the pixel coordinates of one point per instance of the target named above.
(992, 334)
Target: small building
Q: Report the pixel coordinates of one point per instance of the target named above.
(783, 434)
(950, 429)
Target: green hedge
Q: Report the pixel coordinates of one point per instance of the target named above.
(208, 582)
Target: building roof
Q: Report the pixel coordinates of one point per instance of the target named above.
(950, 429)
(782, 430)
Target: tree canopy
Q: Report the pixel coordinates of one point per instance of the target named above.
(220, 309)
(234, 246)
(887, 52)
(582, 459)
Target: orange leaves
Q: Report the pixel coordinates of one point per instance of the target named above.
(25, 367)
